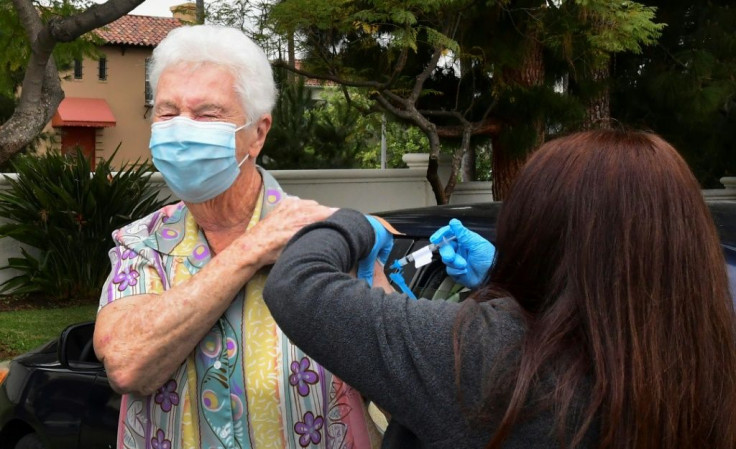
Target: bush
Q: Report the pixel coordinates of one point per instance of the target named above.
(65, 215)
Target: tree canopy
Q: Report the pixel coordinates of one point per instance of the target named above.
(509, 71)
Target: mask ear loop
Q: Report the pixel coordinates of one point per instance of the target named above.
(247, 124)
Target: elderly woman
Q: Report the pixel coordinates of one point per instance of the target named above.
(182, 328)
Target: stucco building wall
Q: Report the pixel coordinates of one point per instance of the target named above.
(124, 91)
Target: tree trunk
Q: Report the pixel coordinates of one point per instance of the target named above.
(31, 115)
(291, 49)
(505, 164)
(510, 165)
(468, 165)
(598, 108)
(433, 176)
(457, 160)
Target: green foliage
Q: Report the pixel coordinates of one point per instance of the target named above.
(7, 105)
(353, 136)
(684, 89)
(368, 24)
(15, 52)
(502, 62)
(322, 14)
(620, 26)
(249, 16)
(64, 216)
(292, 129)
(340, 134)
(483, 159)
(587, 32)
(16, 49)
(401, 139)
(333, 133)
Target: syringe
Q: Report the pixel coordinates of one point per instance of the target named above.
(421, 254)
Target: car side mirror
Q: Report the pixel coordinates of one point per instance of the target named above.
(75, 350)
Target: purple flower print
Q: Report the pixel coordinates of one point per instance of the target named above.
(166, 396)
(125, 278)
(159, 442)
(128, 254)
(273, 196)
(302, 376)
(201, 252)
(169, 234)
(309, 429)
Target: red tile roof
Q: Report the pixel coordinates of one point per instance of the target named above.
(144, 31)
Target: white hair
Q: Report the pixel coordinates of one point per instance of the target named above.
(222, 46)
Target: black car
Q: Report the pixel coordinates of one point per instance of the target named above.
(57, 396)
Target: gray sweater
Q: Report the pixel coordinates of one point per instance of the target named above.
(397, 351)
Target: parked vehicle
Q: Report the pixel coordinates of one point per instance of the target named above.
(58, 396)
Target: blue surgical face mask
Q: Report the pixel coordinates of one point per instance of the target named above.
(196, 159)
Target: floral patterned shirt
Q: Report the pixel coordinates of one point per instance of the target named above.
(245, 385)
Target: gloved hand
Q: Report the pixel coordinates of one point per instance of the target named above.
(468, 257)
(384, 241)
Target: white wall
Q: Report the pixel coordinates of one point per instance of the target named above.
(369, 190)
(364, 190)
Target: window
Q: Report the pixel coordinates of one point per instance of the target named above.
(102, 69)
(149, 91)
(77, 69)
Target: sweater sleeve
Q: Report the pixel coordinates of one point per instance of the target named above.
(395, 350)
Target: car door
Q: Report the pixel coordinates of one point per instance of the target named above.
(98, 406)
(100, 423)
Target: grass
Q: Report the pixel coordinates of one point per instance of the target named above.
(22, 330)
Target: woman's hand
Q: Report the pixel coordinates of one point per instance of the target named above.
(468, 257)
(290, 215)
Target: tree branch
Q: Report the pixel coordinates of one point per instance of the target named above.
(422, 77)
(484, 128)
(66, 29)
(333, 78)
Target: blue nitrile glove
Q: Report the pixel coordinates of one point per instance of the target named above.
(468, 257)
(384, 241)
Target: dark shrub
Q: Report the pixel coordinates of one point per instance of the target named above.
(63, 215)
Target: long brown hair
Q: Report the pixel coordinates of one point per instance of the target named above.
(609, 249)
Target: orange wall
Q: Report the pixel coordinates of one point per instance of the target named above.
(124, 92)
